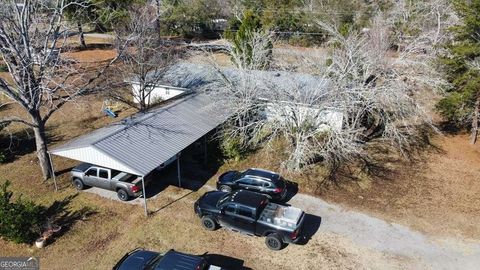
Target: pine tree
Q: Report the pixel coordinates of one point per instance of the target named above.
(461, 105)
(243, 40)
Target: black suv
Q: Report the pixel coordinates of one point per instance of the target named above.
(140, 259)
(257, 180)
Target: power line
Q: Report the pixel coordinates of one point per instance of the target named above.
(292, 32)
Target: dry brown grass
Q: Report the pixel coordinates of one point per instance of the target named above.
(94, 55)
(439, 195)
(436, 194)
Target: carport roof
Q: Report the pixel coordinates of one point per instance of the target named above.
(141, 143)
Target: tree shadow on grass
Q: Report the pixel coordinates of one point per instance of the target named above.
(90, 46)
(22, 142)
(450, 128)
(384, 161)
(60, 213)
(64, 171)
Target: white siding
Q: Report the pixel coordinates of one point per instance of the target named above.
(160, 92)
(91, 155)
(328, 118)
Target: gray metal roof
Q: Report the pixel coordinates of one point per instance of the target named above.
(146, 140)
(271, 85)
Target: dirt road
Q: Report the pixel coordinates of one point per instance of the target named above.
(403, 247)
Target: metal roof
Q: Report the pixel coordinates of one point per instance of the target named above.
(142, 142)
(269, 83)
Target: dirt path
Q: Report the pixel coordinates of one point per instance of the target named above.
(419, 250)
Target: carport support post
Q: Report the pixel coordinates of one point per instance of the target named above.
(205, 150)
(144, 196)
(178, 171)
(53, 171)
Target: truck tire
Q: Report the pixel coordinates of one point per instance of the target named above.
(78, 184)
(209, 223)
(274, 242)
(122, 195)
(225, 188)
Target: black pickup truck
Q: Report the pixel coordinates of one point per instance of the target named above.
(251, 213)
(141, 259)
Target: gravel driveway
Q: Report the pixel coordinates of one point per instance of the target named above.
(414, 249)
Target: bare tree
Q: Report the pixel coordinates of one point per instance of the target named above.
(147, 58)
(370, 91)
(32, 37)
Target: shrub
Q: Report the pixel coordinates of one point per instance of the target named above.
(3, 157)
(20, 220)
(3, 68)
(232, 148)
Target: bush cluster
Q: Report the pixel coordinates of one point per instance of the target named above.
(20, 220)
(232, 148)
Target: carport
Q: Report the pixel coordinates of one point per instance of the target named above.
(145, 141)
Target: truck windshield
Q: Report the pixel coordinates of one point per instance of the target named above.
(240, 174)
(223, 199)
(152, 264)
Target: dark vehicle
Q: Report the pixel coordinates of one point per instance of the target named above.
(140, 259)
(257, 180)
(251, 213)
(126, 185)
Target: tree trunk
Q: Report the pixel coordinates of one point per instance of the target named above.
(475, 120)
(42, 150)
(81, 36)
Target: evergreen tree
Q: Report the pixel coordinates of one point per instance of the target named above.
(243, 41)
(461, 105)
(80, 13)
(109, 13)
(194, 18)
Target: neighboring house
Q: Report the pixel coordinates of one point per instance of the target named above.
(157, 92)
(159, 88)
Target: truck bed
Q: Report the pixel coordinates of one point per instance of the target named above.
(286, 217)
(126, 178)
